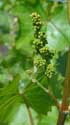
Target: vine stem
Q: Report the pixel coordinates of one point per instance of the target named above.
(68, 10)
(28, 108)
(66, 94)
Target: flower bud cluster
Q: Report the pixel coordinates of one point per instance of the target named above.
(36, 23)
(41, 47)
(39, 62)
(50, 70)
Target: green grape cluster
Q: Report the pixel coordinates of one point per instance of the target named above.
(40, 42)
(36, 23)
(40, 63)
(44, 51)
(41, 48)
(50, 70)
(42, 37)
(37, 44)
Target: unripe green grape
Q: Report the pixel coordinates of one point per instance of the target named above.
(50, 71)
(37, 44)
(40, 63)
(42, 37)
(41, 48)
(44, 50)
(46, 53)
(36, 23)
(36, 19)
(34, 14)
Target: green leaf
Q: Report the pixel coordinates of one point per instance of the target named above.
(9, 98)
(58, 31)
(38, 99)
(21, 116)
(50, 119)
(8, 31)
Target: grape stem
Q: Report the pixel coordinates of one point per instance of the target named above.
(28, 108)
(66, 94)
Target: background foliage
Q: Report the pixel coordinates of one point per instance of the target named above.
(16, 60)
